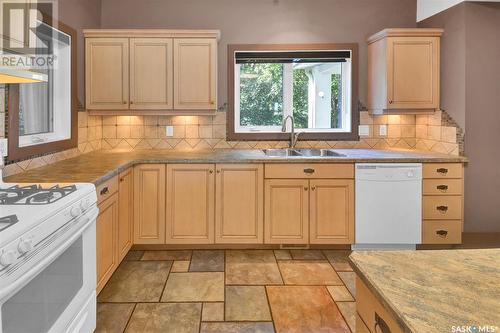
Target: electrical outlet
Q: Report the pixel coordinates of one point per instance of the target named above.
(382, 130)
(169, 131)
(3, 147)
(364, 130)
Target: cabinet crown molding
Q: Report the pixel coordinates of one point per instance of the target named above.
(405, 32)
(161, 33)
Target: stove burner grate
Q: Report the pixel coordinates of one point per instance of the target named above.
(34, 194)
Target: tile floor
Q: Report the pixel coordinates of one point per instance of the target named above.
(230, 291)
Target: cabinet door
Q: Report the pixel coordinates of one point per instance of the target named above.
(286, 211)
(151, 73)
(190, 203)
(413, 72)
(149, 204)
(332, 211)
(106, 240)
(195, 74)
(239, 200)
(107, 73)
(125, 212)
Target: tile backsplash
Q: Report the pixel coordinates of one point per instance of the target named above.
(436, 132)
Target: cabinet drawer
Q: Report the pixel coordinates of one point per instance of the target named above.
(309, 170)
(442, 170)
(442, 207)
(442, 186)
(442, 232)
(106, 189)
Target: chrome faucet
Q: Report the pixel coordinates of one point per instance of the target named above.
(294, 137)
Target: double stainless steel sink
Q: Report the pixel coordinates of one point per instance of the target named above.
(292, 152)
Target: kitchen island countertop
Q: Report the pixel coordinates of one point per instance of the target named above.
(432, 291)
(97, 167)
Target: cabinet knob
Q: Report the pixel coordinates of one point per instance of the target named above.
(131, 102)
(104, 191)
(124, 102)
(211, 171)
(442, 209)
(442, 233)
(218, 171)
(442, 187)
(390, 101)
(313, 188)
(305, 188)
(444, 171)
(309, 171)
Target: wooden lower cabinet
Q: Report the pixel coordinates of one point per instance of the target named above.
(149, 204)
(239, 200)
(332, 211)
(190, 204)
(106, 240)
(286, 211)
(125, 212)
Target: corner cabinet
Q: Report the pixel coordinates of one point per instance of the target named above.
(403, 71)
(134, 72)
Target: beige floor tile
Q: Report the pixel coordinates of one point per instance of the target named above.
(213, 311)
(136, 281)
(252, 267)
(165, 318)
(308, 273)
(307, 255)
(228, 327)
(133, 255)
(304, 309)
(340, 294)
(246, 303)
(282, 255)
(207, 261)
(167, 255)
(194, 287)
(113, 317)
(348, 310)
(349, 279)
(180, 266)
(339, 259)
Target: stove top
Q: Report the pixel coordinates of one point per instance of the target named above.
(34, 194)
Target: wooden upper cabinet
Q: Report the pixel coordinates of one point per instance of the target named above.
(107, 73)
(195, 74)
(239, 198)
(403, 71)
(106, 240)
(332, 211)
(149, 204)
(190, 204)
(286, 211)
(151, 73)
(125, 212)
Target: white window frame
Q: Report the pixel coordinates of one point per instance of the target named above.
(288, 103)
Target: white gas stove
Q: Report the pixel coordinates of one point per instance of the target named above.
(47, 257)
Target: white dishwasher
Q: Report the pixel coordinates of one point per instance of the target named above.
(388, 205)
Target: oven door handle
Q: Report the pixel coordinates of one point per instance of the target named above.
(89, 217)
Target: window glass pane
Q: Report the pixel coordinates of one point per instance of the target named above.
(261, 94)
(300, 97)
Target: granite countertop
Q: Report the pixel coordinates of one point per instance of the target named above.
(99, 166)
(431, 291)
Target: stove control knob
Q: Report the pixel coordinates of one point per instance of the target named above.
(74, 211)
(7, 258)
(84, 205)
(25, 246)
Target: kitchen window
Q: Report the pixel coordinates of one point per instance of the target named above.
(315, 84)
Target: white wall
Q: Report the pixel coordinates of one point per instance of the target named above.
(427, 8)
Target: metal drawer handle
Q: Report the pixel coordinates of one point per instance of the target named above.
(442, 170)
(442, 233)
(381, 325)
(442, 209)
(104, 191)
(309, 171)
(442, 187)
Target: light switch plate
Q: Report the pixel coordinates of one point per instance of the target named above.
(364, 130)
(382, 130)
(3, 147)
(169, 130)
